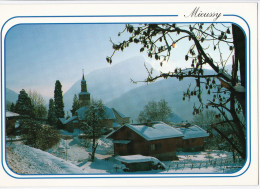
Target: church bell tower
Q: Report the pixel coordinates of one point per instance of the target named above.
(84, 95)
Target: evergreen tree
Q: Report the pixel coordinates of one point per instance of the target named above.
(58, 100)
(23, 105)
(75, 105)
(12, 107)
(51, 113)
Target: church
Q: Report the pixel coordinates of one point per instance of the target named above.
(112, 119)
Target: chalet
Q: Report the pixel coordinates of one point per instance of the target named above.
(155, 139)
(193, 137)
(112, 118)
(11, 122)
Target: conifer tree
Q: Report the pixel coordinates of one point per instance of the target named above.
(58, 100)
(75, 105)
(23, 105)
(12, 107)
(51, 113)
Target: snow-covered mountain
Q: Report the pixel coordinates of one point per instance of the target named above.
(111, 82)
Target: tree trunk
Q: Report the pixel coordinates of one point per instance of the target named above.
(240, 56)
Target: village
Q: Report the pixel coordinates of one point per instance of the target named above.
(120, 146)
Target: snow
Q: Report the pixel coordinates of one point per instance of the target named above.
(119, 113)
(34, 161)
(156, 131)
(65, 121)
(138, 158)
(72, 157)
(239, 88)
(193, 132)
(109, 114)
(11, 114)
(134, 158)
(116, 125)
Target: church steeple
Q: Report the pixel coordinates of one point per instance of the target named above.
(83, 84)
(84, 96)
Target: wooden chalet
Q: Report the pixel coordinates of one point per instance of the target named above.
(193, 137)
(155, 139)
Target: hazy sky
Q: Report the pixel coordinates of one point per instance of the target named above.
(39, 54)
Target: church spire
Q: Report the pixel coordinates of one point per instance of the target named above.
(83, 78)
(84, 96)
(83, 83)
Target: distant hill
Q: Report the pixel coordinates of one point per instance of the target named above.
(111, 82)
(174, 118)
(11, 96)
(171, 89)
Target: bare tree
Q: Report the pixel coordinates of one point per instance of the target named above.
(208, 46)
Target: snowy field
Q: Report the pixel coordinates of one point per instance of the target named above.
(72, 157)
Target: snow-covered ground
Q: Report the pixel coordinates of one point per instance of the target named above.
(72, 157)
(23, 159)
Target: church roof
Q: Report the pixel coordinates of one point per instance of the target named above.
(119, 113)
(65, 121)
(84, 93)
(109, 114)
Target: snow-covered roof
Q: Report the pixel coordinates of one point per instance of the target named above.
(65, 121)
(193, 132)
(109, 114)
(119, 113)
(11, 114)
(116, 125)
(138, 159)
(157, 131)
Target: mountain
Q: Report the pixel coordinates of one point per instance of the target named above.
(11, 96)
(111, 82)
(171, 89)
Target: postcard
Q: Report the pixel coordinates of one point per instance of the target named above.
(128, 94)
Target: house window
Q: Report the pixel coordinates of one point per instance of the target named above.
(154, 147)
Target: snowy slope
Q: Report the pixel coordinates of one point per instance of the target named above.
(28, 160)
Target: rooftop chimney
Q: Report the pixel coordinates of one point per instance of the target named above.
(149, 123)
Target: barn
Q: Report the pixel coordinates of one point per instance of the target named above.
(155, 139)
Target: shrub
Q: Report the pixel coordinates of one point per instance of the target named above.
(39, 136)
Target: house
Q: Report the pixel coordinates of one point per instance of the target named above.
(112, 118)
(155, 139)
(11, 122)
(193, 137)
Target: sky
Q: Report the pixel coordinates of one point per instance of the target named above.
(39, 54)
